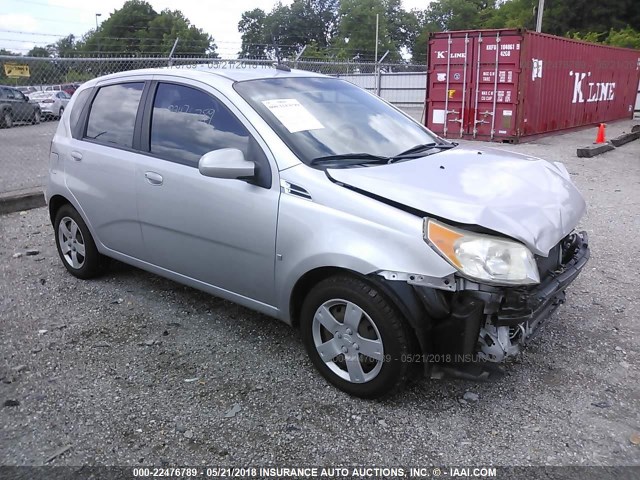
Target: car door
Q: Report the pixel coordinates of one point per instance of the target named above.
(20, 106)
(100, 164)
(218, 231)
(63, 99)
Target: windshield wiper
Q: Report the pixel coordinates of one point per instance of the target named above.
(349, 159)
(420, 151)
(425, 146)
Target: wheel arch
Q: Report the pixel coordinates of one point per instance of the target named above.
(400, 294)
(55, 203)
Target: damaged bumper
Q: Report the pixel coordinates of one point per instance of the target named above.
(514, 316)
(492, 323)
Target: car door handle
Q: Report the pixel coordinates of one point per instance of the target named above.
(77, 156)
(153, 178)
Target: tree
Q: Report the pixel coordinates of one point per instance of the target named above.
(251, 26)
(65, 47)
(625, 37)
(138, 28)
(357, 30)
(290, 27)
(39, 52)
(163, 30)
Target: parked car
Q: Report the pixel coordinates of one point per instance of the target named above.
(52, 104)
(70, 88)
(313, 201)
(15, 107)
(27, 90)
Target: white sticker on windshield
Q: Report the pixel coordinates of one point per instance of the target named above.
(292, 115)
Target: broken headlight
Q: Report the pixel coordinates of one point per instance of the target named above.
(482, 257)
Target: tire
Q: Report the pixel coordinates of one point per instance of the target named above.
(37, 117)
(7, 120)
(60, 112)
(75, 244)
(375, 327)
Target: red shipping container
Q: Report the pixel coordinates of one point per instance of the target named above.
(511, 85)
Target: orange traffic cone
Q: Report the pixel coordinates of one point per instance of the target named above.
(600, 137)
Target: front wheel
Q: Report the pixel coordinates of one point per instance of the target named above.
(37, 117)
(356, 338)
(60, 112)
(7, 119)
(75, 244)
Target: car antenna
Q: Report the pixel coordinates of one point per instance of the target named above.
(279, 65)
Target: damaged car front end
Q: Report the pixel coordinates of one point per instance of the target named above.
(506, 224)
(500, 320)
(473, 321)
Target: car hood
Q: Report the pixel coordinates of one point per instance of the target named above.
(523, 197)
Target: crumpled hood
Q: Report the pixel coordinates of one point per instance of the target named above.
(526, 198)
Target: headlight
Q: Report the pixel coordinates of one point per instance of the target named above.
(482, 257)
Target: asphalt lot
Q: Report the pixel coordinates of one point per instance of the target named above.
(134, 369)
(24, 153)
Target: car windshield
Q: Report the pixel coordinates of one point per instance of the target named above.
(330, 119)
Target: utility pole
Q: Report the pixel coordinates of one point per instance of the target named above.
(539, 20)
(377, 24)
(98, 40)
(97, 36)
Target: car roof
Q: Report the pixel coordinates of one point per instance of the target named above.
(204, 72)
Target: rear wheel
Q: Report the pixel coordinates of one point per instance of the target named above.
(60, 112)
(356, 338)
(7, 120)
(75, 244)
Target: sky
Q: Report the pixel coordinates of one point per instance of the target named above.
(28, 23)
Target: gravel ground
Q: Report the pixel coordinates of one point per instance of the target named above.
(134, 369)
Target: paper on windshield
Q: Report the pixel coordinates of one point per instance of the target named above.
(292, 115)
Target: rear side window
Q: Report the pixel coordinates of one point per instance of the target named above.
(113, 114)
(187, 123)
(78, 105)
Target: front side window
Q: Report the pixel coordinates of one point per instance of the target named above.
(113, 114)
(187, 123)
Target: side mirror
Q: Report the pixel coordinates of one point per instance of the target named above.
(26, 97)
(226, 163)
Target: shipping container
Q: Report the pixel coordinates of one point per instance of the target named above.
(512, 85)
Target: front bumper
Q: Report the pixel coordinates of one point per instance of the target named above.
(492, 323)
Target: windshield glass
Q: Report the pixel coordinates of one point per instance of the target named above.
(321, 117)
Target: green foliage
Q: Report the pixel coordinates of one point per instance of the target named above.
(291, 27)
(39, 52)
(357, 29)
(137, 28)
(625, 37)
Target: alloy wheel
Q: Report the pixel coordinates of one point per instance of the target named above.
(71, 242)
(348, 341)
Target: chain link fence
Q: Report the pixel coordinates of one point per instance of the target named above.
(24, 149)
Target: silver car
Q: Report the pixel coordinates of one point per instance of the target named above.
(396, 253)
(52, 104)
